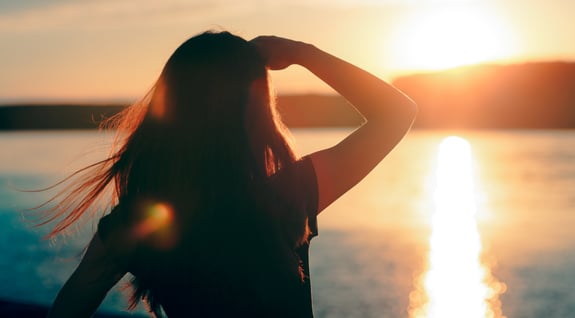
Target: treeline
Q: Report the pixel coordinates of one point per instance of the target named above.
(520, 96)
(54, 116)
(296, 111)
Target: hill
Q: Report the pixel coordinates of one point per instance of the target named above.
(526, 96)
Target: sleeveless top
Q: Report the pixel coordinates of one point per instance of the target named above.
(208, 280)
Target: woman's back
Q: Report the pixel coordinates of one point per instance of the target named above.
(241, 259)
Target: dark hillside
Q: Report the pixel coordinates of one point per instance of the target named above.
(521, 96)
(526, 96)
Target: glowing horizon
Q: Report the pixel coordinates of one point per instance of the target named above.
(115, 49)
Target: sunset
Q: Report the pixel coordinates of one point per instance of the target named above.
(115, 49)
(446, 36)
(287, 158)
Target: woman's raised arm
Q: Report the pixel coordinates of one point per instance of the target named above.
(388, 113)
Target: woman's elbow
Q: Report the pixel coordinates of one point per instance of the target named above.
(411, 108)
(408, 112)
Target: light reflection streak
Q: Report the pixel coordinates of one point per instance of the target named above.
(456, 283)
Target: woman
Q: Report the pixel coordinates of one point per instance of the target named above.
(212, 210)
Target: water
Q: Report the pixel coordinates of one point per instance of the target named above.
(372, 257)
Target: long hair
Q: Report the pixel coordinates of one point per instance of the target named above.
(208, 132)
(190, 127)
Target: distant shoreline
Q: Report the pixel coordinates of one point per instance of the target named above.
(45, 117)
(54, 116)
(296, 111)
(538, 95)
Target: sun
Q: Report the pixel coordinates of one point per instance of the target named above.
(450, 35)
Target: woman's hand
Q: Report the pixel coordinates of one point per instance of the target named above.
(278, 52)
(388, 113)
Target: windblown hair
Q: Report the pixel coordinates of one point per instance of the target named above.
(189, 128)
(208, 132)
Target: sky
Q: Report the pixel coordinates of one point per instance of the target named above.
(112, 50)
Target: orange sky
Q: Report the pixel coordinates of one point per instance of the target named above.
(114, 49)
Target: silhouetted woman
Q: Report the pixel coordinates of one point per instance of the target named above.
(212, 212)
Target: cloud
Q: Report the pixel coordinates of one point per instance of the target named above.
(112, 14)
(108, 14)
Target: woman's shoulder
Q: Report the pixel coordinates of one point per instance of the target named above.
(298, 172)
(109, 223)
(115, 229)
(115, 233)
(295, 181)
(296, 187)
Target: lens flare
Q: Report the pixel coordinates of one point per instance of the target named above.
(157, 225)
(456, 283)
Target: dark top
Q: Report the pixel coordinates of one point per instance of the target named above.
(231, 267)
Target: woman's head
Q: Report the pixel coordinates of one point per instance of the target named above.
(213, 100)
(208, 123)
(207, 80)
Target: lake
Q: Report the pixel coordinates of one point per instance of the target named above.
(479, 224)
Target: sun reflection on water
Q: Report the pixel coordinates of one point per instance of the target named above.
(456, 283)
